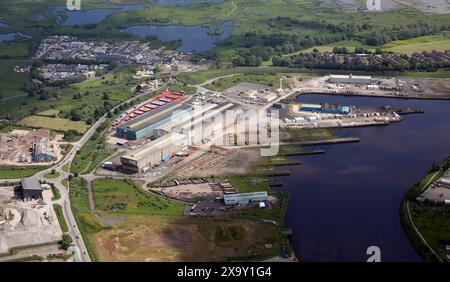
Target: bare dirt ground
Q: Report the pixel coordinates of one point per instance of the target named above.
(237, 161)
(437, 191)
(26, 223)
(15, 146)
(414, 88)
(187, 188)
(148, 238)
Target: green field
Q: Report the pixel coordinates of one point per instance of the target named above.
(202, 76)
(116, 86)
(123, 197)
(93, 151)
(55, 192)
(419, 44)
(48, 113)
(51, 175)
(60, 216)
(227, 82)
(433, 221)
(66, 167)
(12, 84)
(86, 99)
(248, 183)
(14, 50)
(58, 124)
(80, 207)
(20, 172)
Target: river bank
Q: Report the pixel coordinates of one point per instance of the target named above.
(428, 239)
(349, 198)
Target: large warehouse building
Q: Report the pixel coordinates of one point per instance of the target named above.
(196, 114)
(145, 125)
(31, 188)
(43, 151)
(350, 79)
(153, 153)
(245, 198)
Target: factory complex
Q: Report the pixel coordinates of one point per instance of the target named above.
(153, 153)
(163, 100)
(144, 126)
(158, 134)
(350, 79)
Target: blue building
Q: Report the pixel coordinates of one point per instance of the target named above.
(325, 108)
(43, 151)
(245, 198)
(145, 125)
(310, 107)
(345, 109)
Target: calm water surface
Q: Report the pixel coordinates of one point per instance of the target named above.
(193, 37)
(348, 199)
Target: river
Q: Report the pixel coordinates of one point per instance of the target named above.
(349, 198)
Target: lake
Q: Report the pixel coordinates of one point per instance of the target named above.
(94, 16)
(193, 37)
(13, 36)
(2, 23)
(348, 199)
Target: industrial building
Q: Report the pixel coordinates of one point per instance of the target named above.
(193, 116)
(190, 127)
(165, 98)
(334, 109)
(310, 107)
(350, 79)
(31, 188)
(325, 108)
(145, 125)
(43, 151)
(244, 198)
(153, 153)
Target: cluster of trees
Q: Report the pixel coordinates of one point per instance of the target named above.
(71, 135)
(253, 48)
(385, 63)
(386, 35)
(66, 241)
(358, 50)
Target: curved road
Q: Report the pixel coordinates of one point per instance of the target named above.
(74, 231)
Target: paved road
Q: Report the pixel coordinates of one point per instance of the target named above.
(74, 231)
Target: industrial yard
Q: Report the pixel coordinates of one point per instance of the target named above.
(26, 222)
(179, 135)
(438, 191)
(26, 147)
(335, 116)
(358, 85)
